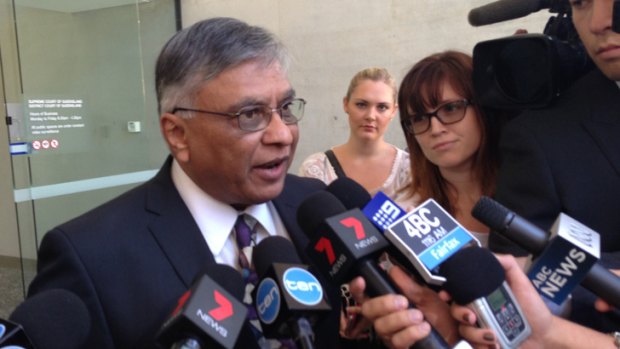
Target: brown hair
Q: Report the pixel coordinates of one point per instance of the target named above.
(421, 89)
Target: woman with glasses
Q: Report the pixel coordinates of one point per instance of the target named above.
(450, 138)
(453, 161)
(370, 103)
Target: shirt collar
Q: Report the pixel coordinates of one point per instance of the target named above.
(216, 219)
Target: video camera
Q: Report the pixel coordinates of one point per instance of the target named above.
(528, 71)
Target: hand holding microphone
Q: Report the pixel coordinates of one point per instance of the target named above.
(345, 244)
(434, 243)
(548, 331)
(395, 321)
(383, 212)
(477, 280)
(597, 278)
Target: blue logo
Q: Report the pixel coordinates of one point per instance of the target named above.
(382, 211)
(268, 301)
(2, 330)
(302, 286)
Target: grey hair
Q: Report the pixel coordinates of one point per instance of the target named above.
(197, 54)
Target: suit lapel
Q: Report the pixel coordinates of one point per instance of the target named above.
(603, 125)
(174, 228)
(286, 204)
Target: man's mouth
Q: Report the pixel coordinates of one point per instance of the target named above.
(272, 164)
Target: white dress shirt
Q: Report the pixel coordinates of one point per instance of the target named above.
(216, 219)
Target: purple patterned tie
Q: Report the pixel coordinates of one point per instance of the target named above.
(246, 236)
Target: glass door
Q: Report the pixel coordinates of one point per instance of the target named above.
(82, 124)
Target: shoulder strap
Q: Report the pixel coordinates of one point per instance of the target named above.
(335, 164)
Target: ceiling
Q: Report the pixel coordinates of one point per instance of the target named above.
(75, 5)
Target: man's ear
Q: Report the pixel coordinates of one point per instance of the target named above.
(174, 130)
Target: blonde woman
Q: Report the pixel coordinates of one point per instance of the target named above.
(366, 157)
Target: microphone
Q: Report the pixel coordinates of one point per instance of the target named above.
(12, 335)
(210, 314)
(345, 244)
(289, 299)
(476, 279)
(571, 252)
(52, 319)
(423, 238)
(380, 209)
(504, 10)
(569, 249)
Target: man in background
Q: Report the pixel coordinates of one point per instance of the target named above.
(566, 158)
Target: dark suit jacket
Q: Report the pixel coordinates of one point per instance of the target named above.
(566, 158)
(132, 258)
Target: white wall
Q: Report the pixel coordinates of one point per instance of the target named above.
(332, 39)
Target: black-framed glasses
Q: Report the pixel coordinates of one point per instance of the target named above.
(447, 113)
(257, 117)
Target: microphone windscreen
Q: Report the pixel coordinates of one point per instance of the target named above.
(317, 207)
(471, 273)
(54, 319)
(349, 192)
(503, 10)
(228, 278)
(491, 213)
(274, 249)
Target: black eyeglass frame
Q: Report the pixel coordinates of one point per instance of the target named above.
(408, 123)
(267, 118)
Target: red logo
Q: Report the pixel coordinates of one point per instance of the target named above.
(225, 308)
(352, 222)
(36, 145)
(324, 245)
(181, 302)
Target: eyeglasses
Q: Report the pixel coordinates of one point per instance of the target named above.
(448, 113)
(257, 117)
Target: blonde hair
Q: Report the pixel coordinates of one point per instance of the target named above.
(373, 74)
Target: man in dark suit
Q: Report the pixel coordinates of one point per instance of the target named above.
(229, 116)
(566, 158)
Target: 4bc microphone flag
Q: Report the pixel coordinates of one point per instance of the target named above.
(428, 235)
